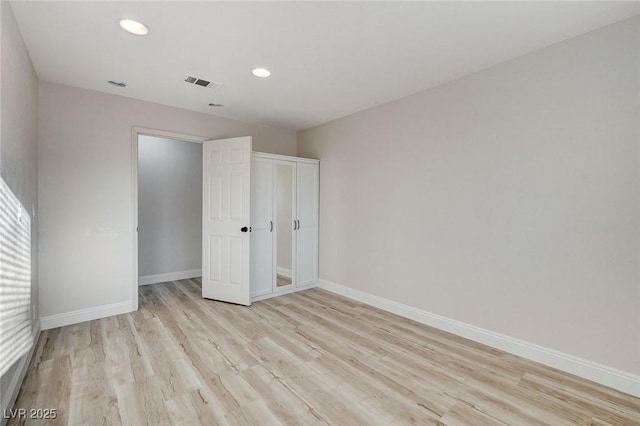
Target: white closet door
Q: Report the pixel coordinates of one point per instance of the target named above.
(262, 273)
(226, 174)
(308, 194)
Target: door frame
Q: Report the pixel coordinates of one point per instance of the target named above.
(137, 131)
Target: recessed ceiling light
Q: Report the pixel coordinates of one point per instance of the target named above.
(134, 27)
(261, 72)
(117, 83)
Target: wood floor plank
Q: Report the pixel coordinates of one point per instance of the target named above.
(463, 414)
(307, 358)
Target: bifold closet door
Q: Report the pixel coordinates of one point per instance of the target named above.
(306, 228)
(262, 273)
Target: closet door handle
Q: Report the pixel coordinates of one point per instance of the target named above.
(244, 229)
(271, 228)
(297, 225)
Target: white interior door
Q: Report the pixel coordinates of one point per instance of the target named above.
(226, 241)
(308, 195)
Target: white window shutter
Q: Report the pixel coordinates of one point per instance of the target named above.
(15, 279)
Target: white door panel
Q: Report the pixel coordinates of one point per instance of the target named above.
(262, 272)
(215, 258)
(226, 251)
(308, 255)
(308, 186)
(308, 194)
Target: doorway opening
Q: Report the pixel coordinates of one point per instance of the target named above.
(167, 207)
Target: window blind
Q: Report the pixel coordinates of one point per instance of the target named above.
(15, 279)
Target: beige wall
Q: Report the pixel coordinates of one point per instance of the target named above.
(508, 199)
(169, 206)
(19, 149)
(85, 188)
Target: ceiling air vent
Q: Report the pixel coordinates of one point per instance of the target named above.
(117, 83)
(202, 82)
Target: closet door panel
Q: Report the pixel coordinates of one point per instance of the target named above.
(308, 178)
(262, 273)
(307, 256)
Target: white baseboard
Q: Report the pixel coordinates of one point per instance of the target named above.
(82, 315)
(169, 276)
(284, 272)
(10, 394)
(599, 373)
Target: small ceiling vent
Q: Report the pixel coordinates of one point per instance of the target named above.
(202, 82)
(117, 83)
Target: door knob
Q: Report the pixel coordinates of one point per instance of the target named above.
(244, 229)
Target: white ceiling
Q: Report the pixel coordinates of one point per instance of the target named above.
(328, 59)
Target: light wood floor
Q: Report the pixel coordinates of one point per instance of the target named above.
(305, 358)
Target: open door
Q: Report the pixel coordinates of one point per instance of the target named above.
(226, 213)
